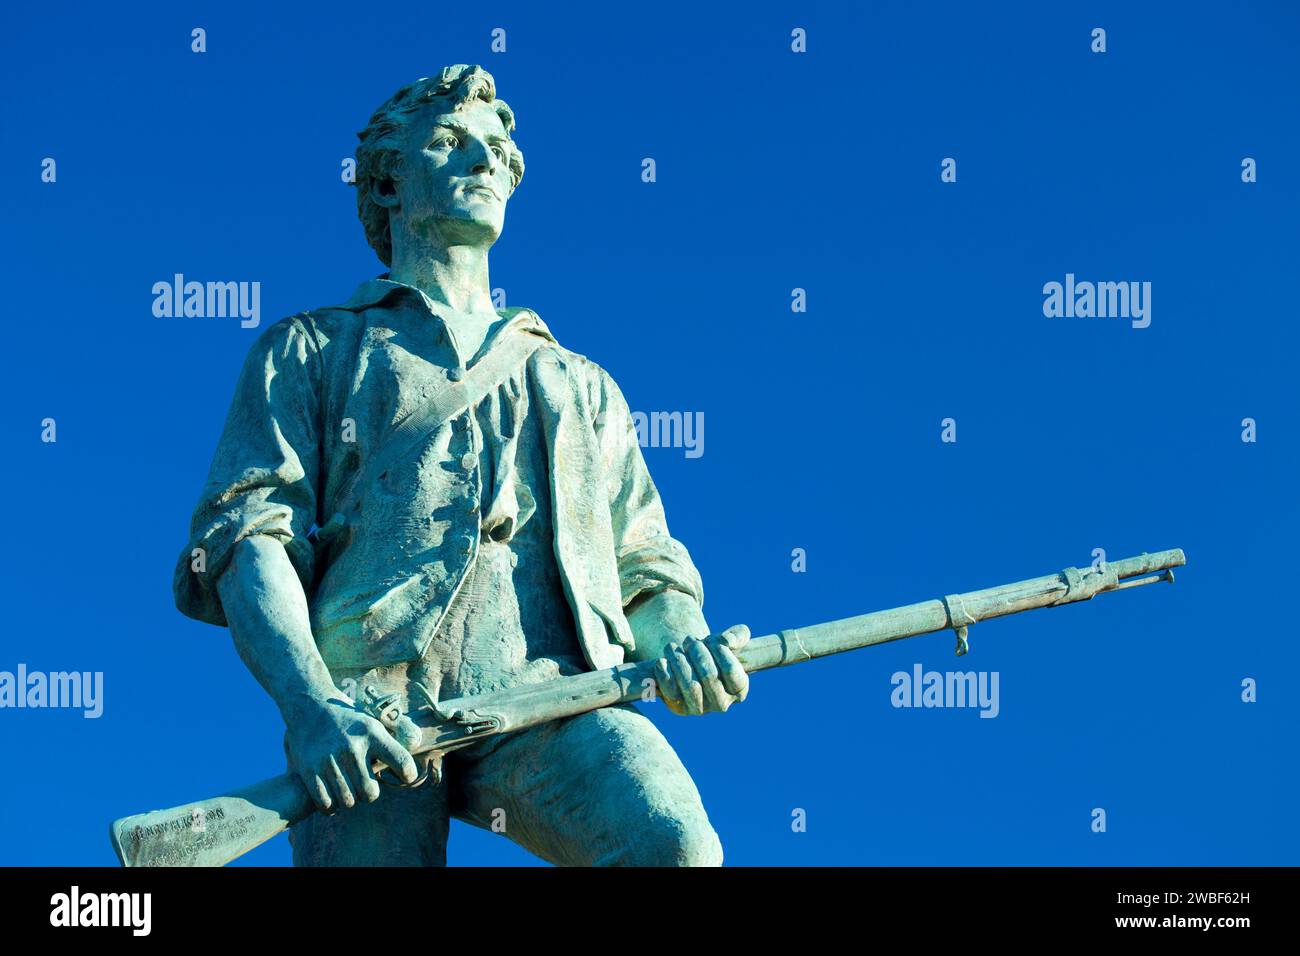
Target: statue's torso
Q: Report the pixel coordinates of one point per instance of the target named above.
(510, 622)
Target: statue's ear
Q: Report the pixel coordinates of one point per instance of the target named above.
(383, 192)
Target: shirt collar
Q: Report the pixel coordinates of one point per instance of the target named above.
(375, 292)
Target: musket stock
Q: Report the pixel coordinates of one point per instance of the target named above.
(215, 831)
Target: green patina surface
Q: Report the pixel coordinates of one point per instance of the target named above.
(386, 511)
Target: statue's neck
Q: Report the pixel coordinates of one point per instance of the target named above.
(455, 277)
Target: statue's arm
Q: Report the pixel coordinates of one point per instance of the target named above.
(330, 744)
(266, 610)
(265, 469)
(662, 593)
(249, 555)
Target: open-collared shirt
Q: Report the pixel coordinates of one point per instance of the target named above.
(318, 394)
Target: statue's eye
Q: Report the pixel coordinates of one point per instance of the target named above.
(445, 141)
(500, 154)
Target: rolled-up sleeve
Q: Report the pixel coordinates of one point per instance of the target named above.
(264, 472)
(650, 560)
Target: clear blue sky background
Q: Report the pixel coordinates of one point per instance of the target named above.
(775, 171)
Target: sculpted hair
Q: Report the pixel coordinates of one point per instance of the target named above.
(377, 153)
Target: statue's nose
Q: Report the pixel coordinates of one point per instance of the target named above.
(483, 160)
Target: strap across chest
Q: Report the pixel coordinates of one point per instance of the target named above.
(447, 400)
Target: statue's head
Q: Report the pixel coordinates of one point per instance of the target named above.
(438, 159)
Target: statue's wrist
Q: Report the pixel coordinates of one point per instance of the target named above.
(307, 702)
(662, 618)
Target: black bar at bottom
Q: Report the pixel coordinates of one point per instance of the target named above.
(384, 907)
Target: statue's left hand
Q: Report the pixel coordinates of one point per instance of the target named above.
(703, 676)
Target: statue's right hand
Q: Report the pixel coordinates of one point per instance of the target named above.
(331, 746)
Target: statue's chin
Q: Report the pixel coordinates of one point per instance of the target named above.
(471, 226)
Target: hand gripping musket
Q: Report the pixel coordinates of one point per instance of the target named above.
(213, 832)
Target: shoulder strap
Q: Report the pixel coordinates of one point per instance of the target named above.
(446, 401)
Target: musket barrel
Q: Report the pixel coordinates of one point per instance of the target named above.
(1149, 563)
(880, 627)
(850, 633)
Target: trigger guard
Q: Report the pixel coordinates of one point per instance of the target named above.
(431, 765)
(384, 708)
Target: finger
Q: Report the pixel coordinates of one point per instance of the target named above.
(319, 793)
(667, 685)
(731, 672)
(351, 762)
(359, 771)
(340, 791)
(689, 689)
(668, 690)
(735, 637)
(714, 694)
(384, 746)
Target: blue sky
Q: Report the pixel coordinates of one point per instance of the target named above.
(775, 171)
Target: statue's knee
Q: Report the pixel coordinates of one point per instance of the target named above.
(675, 843)
(701, 848)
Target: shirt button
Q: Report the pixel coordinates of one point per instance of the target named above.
(455, 374)
(469, 461)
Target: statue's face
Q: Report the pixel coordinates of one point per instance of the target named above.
(454, 179)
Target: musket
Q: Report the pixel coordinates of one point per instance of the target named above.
(215, 831)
